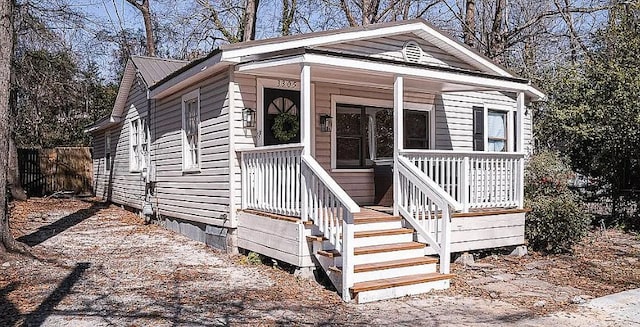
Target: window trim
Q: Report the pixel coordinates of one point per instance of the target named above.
(381, 103)
(510, 127)
(143, 132)
(107, 151)
(195, 94)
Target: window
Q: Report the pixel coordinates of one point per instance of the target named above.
(416, 129)
(139, 144)
(490, 130)
(191, 131)
(497, 131)
(107, 151)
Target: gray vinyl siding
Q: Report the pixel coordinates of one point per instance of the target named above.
(390, 47)
(202, 196)
(121, 185)
(100, 172)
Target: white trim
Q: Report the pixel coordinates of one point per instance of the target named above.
(509, 132)
(231, 108)
(380, 103)
(188, 77)
(195, 94)
(270, 83)
(418, 27)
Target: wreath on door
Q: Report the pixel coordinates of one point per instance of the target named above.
(285, 126)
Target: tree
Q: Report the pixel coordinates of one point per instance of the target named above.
(143, 7)
(594, 109)
(6, 49)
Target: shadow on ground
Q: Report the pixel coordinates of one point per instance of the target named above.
(48, 231)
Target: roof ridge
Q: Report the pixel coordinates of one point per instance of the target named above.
(159, 58)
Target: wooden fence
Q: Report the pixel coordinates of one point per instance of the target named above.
(46, 171)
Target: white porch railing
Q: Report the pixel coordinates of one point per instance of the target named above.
(475, 179)
(427, 207)
(331, 209)
(280, 180)
(271, 179)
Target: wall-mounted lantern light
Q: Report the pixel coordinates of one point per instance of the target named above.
(248, 118)
(325, 123)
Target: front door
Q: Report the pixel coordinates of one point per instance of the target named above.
(281, 116)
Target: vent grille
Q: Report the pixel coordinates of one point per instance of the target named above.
(412, 52)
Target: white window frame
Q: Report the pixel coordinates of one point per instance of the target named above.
(108, 159)
(510, 128)
(187, 166)
(281, 84)
(380, 103)
(138, 140)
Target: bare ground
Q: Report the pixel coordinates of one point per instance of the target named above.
(102, 266)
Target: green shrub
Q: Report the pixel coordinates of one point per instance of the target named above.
(555, 223)
(546, 174)
(557, 219)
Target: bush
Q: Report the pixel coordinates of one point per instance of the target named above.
(555, 223)
(557, 219)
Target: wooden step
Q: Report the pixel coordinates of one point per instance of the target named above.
(488, 212)
(314, 238)
(329, 253)
(398, 281)
(375, 219)
(394, 264)
(387, 232)
(387, 248)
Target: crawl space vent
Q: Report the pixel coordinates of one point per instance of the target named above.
(412, 52)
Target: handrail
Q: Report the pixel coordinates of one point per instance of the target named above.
(331, 184)
(427, 183)
(463, 153)
(278, 147)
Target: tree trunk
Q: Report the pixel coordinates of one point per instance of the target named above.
(469, 30)
(250, 17)
(496, 37)
(144, 9)
(6, 49)
(13, 173)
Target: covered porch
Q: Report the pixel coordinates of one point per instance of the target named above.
(320, 175)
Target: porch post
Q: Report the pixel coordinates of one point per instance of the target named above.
(305, 108)
(398, 135)
(520, 148)
(305, 137)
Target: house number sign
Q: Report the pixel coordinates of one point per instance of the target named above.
(287, 84)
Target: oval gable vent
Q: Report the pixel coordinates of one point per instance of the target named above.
(412, 52)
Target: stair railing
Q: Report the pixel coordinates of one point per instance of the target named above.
(331, 209)
(428, 208)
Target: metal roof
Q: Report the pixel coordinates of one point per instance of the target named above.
(153, 70)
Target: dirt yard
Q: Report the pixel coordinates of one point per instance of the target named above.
(102, 266)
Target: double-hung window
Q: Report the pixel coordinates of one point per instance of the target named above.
(191, 131)
(491, 130)
(139, 144)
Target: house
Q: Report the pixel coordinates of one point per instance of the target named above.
(372, 152)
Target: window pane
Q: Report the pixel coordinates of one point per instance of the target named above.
(347, 123)
(497, 145)
(416, 126)
(348, 151)
(496, 122)
(384, 133)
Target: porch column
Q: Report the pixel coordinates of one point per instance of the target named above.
(305, 108)
(520, 147)
(398, 137)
